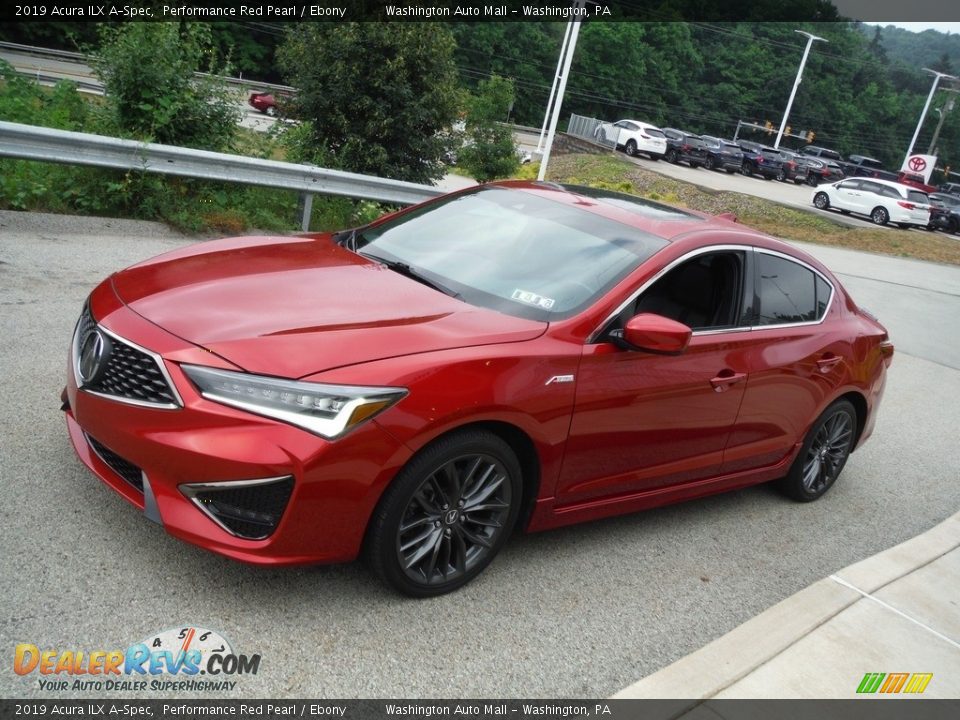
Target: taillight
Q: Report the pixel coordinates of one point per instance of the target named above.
(907, 205)
(791, 164)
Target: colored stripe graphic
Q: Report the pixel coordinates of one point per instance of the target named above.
(918, 682)
(870, 682)
(894, 683)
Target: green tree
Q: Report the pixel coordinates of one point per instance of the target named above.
(148, 73)
(489, 152)
(377, 96)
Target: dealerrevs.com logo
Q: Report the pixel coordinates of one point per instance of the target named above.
(187, 658)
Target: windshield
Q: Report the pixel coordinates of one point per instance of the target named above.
(512, 251)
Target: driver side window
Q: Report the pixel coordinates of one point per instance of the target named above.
(705, 293)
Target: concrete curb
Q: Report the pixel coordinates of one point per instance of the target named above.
(715, 667)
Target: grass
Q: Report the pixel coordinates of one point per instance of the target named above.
(613, 173)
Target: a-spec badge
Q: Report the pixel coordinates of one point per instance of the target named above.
(559, 379)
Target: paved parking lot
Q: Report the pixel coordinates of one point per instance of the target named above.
(582, 611)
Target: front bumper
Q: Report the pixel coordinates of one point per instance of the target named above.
(336, 484)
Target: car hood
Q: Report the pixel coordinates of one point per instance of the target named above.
(293, 307)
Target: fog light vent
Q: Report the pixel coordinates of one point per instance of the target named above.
(249, 509)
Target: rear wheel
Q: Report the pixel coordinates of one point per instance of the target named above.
(879, 216)
(272, 111)
(954, 225)
(711, 164)
(823, 454)
(631, 147)
(671, 156)
(812, 180)
(746, 169)
(446, 515)
(821, 200)
(781, 176)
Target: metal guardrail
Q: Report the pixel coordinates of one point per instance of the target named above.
(80, 58)
(28, 142)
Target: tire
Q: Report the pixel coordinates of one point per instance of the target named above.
(823, 454)
(812, 180)
(631, 148)
(746, 169)
(954, 226)
(822, 201)
(879, 216)
(781, 176)
(465, 491)
(671, 157)
(271, 111)
(711, 164)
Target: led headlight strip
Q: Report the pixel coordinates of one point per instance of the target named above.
(326, 410)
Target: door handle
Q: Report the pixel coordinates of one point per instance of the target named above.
(726, 378)
(828, 362)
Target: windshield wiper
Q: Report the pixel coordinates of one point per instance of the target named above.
(347, 239)
(413, 273)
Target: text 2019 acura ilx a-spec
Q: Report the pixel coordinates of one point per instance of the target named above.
(515, 356)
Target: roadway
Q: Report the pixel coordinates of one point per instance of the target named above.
(577, 612)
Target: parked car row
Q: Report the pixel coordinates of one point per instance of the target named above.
(858, 185)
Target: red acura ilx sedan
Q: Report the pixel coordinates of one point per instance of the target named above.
(517, 355)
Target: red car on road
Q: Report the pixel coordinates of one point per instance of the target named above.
(264, 102)
(514, 356)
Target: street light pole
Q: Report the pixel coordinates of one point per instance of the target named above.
(579, 6)
(796, 83)
(553, 88)
(923, 115)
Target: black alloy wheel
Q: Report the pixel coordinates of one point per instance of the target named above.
(446, 515)
(823, 454)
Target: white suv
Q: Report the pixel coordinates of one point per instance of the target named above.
(634, 137)
(883, 201)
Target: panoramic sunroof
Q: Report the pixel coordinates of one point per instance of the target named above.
(632, 203)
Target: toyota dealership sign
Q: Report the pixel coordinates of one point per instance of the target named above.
(920, 165)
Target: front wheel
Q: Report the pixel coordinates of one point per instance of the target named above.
(671, 156)
(812, 180)
(631, 147)
(823, 454)
(446, 515)
(781, 176)
(821, 200)
(879, 216)
(711, 164)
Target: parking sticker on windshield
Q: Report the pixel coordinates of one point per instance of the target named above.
(525, 296)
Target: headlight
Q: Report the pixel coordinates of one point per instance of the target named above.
(326, 410)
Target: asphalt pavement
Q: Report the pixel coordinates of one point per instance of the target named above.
(582, 611)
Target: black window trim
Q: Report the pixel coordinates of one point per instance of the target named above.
(749, 281)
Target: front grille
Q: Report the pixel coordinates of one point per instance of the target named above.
(130, 373)
(248, 509)
(124, 468)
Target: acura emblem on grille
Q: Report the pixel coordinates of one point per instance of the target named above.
(93, 355)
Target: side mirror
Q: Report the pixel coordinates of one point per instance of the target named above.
(656, 334)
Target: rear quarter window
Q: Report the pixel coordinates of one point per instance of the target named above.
(787, 291)
(918, 197)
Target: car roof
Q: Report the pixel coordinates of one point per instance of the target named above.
(664, 221)
(639, 122)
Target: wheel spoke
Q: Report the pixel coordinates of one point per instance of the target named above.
(452, 478)
(474, 537)
(470, 490)
(481, 521)
(444, 499)
(417, 522)
(458, 549)
(810, 472)
(424, 548)
(484, 492)
(418, 539)
(487, 506)
(432, 563)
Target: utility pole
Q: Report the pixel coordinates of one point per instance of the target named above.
(944, 111)
(796, 83)
(579, 11)
(923, 115)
